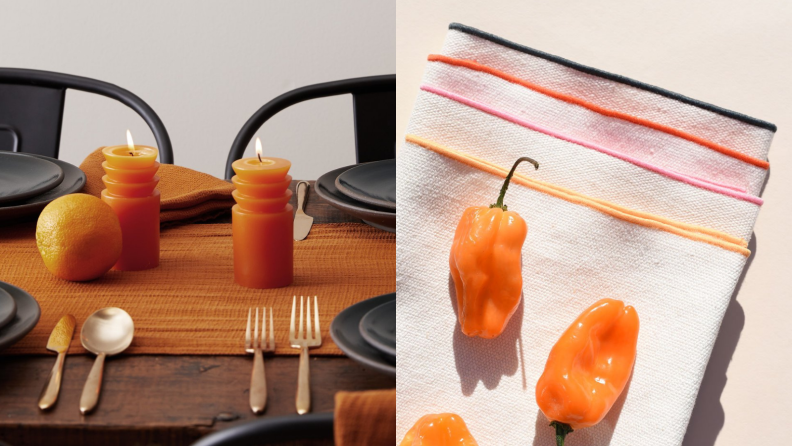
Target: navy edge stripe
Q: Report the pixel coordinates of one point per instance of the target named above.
(614, 77)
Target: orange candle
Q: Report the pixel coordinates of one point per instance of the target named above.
(262, 223)
(130, 183)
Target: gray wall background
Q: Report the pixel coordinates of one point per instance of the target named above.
(205, 67)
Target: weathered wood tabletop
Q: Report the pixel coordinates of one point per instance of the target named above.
(166, 400)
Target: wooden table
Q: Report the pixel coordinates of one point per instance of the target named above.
(167, 400)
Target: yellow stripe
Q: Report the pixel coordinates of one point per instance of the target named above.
(645, 215)
(691, 232)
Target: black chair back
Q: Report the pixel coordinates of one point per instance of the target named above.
(374, 100)
(31, 110)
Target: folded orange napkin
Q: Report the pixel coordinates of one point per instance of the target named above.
(365, 418)
(186, 195)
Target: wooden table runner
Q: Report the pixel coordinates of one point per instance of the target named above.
(190, 303)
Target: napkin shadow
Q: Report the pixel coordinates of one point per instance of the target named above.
(708, 415)
(599, 435)
(504, 354)
(764, 184)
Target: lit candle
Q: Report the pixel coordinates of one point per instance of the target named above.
(130, 183)
(262, 222)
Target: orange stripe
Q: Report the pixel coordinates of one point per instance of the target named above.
(691, 232)
(686, 226)
(604, 111)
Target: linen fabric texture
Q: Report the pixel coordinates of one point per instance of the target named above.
(572, 257)
(582, 169)
(190, 304)
(365, 418)
(752, 138)
(575, 253)
(638, 141)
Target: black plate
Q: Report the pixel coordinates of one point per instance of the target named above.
(73, 181)
(371, 183)
(27, 316)
(346, 334)
(24, 176)
(375, 216)
(276, 430)
(7, 308)
(378, 328)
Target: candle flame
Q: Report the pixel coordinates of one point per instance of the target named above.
(258, 149)
(130, 144)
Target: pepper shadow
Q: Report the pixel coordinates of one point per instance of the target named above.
(708, 415)
(599, 435)
(487, 360)
(764, 184)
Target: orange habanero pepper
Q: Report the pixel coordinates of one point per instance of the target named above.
(485, 264)
(443, 429)
(588, 367)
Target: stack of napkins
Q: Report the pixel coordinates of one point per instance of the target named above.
(643, 195)
(186, 195)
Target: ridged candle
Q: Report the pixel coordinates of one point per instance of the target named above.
(130, 183)
(262, 223)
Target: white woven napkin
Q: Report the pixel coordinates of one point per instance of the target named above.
(579, 249)
(648, 144)
(583, 169)
(573, 256)
(734, 130)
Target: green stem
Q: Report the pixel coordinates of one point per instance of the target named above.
(562, 429)
(499, 203)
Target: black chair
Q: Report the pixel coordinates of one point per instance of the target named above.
(315, 426)
(31, 110)
(375, 116)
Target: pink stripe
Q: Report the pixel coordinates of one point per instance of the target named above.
(738, 189)
(676, 176)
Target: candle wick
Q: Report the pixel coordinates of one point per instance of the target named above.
(259, 157)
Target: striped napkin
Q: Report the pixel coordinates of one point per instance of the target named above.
(643, 195)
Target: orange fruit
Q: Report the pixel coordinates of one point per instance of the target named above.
(79, 237)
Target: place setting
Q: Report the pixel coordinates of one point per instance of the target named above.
(110, 331)
(114, 231)
(366, 191)
(28, 182)
(124, 270)
(106, 332)
(366, 332)
(19, 314)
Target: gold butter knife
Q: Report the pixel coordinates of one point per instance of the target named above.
(59, 341)
(302, 222)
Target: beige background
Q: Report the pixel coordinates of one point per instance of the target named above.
(205, 67)
(733, 54)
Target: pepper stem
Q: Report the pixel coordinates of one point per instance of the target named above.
(499, 203)
(562, 429)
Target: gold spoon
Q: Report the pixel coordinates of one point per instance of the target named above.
(107, 332)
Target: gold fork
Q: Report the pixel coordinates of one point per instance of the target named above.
(304, 341)
(258, 382)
